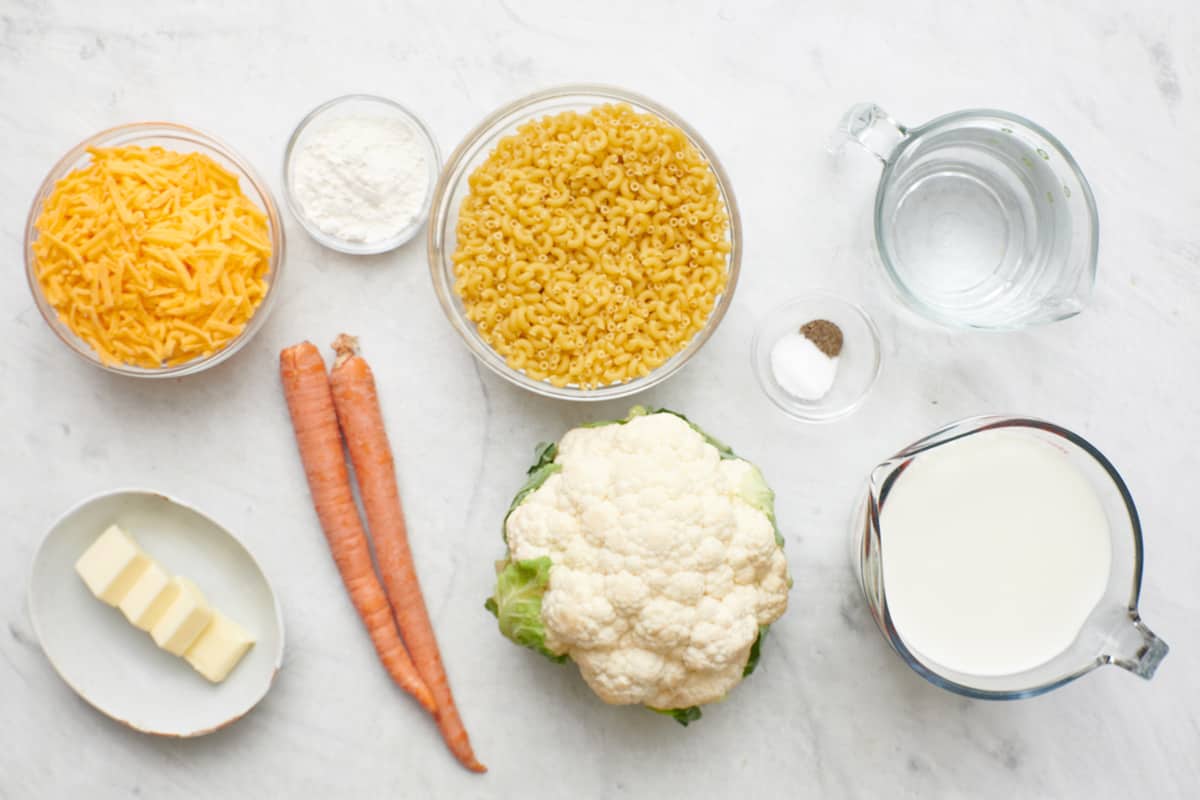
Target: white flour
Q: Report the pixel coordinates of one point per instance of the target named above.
(361, 179)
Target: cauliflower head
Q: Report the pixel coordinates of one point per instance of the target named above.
(646, 552)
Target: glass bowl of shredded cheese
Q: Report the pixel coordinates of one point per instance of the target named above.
(584, 242)
(153, 250)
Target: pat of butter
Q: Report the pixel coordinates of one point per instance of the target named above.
(148, 599)
(219, 648)
(184, 619)
(112, 565)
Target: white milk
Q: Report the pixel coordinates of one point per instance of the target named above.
(995, 549)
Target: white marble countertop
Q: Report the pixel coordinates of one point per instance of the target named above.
(832, 712)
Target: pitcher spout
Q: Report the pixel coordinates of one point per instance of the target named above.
(1135, 648)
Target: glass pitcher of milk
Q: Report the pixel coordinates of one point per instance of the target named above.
(1001, 558)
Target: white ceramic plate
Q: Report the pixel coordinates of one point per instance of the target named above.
(116, 667)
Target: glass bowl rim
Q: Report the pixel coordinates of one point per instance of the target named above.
(136, 131)
(351, 248)
(495, 124)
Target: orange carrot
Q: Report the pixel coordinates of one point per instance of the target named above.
(359, 414)
(311, 404)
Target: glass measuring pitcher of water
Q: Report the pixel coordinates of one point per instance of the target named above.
(982, 218)
(1106, 628)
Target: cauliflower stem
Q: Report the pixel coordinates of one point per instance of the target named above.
(522, 584)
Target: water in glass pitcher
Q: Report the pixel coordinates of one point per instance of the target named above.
(975, 218)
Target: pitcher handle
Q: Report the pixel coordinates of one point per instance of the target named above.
(871, 127)
(1137, 648)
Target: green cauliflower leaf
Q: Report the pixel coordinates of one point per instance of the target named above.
(543, 467)
(681, 715)
(517, 603)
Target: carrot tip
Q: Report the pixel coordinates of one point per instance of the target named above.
(346, 348)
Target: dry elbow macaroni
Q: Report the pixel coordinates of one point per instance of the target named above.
(591, 247)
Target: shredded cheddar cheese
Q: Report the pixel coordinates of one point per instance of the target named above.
(151, 256)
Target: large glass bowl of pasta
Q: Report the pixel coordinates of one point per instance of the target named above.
(584, 242)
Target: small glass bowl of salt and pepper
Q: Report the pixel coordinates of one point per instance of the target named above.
(816, 356)
(360, 171)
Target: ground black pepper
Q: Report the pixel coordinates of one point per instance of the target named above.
(825, 335)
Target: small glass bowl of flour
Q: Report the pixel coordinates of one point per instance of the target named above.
(816, 356)
(360, 172)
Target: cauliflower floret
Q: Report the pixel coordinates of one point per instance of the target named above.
(663, 562)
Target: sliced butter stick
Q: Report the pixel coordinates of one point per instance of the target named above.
(219, 648)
